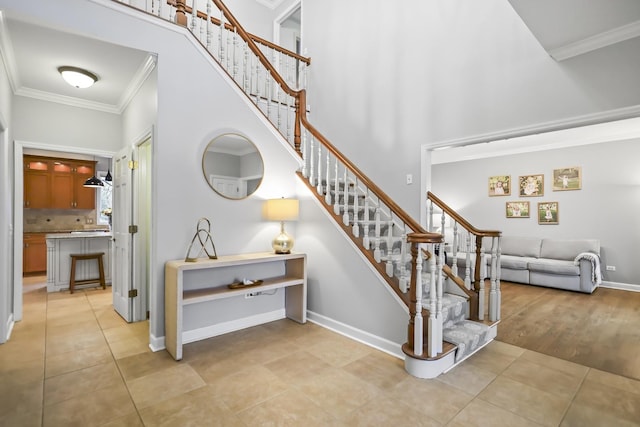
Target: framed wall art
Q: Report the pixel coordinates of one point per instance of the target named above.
(500, 185)
(548, 213)
(531, 185)
(517, 209)
(567, 179)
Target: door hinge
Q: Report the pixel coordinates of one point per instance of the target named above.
(133, 229)
(133, 164)
(133, 293)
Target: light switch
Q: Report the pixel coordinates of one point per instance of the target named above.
(409, 179)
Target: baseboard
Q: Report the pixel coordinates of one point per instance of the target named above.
(156, 343)
(621, 286)
(8, 328)
(231, 326)
(359, 335)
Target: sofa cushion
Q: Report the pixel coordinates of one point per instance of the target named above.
(554, 266)
(520, 246)
(515, 262)
(568, 249)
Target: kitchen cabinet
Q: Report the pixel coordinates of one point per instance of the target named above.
(37, 183)
(57, 183)
(34, 253)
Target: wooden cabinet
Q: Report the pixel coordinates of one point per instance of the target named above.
(57, 183)
(34, 253)
(199, 303)
(37, 183)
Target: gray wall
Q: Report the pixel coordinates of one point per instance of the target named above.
(606, 208)
(386, 79)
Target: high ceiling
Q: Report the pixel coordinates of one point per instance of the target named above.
(568, 28)
(34, 53)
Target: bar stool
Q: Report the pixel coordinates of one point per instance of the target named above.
(83, 257)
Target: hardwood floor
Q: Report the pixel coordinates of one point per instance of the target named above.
(601, 330)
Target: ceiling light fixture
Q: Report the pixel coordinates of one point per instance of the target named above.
(77, 77)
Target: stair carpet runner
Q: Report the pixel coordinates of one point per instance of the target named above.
(467, 335)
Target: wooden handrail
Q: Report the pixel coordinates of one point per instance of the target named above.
(254, 38)
(398, 211)
(460, 220)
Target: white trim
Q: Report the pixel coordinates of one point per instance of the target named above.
(8, 328)
(283, 17)
(156, 343)
(142, 74)
(379, 343)
(555, 125)
(6, 50)
(598, 41)
(271, 4)
(18, 210)
(631, 287)
(231, 326)
(517, 142)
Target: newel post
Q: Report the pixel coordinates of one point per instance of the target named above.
(296, 126)
(181, 16)
(413, 296)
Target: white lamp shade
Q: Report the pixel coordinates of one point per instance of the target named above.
(281, 210)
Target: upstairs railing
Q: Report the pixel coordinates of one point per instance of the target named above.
(395, 244)
(466, 247)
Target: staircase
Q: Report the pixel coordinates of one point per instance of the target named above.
(446, 311)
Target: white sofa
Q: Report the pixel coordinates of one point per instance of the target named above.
(565, 264)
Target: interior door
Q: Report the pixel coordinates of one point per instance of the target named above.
(121, 278)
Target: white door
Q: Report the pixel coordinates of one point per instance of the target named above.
(141, 249)
(121, 282)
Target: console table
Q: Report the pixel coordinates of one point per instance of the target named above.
(190, 285)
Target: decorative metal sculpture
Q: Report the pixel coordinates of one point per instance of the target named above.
(201, 232)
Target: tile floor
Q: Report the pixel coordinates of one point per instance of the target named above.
(73, 362)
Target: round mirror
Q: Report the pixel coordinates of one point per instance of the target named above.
(232, 166)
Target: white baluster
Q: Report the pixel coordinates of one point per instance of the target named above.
(235, 54)
(430, 217)
(303, 149)
(356, 228)
(376, 251)
(229, 50)
(268, 93)
(365, 239)
(209, 30)
(336, 191)
(194, 17)
(345, 215)
(454, 260)
(312, 175)
(432, 327)
(440, 291)
(278, 105)
(221, 53)
(493, 294)
(327, 192)
(246, 68)
(203, 30)
(319, 180)
(467, 268)
(258, 85)
(418, 322)
(404, 278)
(389, 266)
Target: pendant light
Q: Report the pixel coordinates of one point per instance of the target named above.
(108, 178)
(93, 182)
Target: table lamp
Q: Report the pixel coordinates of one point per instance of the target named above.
(281, 210)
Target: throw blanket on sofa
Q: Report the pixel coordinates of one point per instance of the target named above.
(596, 274)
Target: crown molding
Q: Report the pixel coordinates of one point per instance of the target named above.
(598, 41)
(67, 100)
(6, 51)
(137, 81)
(271, 4)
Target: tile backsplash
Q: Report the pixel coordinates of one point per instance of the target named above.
(52, 220)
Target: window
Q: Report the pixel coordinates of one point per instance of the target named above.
(103, 196)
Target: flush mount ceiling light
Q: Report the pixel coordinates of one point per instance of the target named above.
(77, 77)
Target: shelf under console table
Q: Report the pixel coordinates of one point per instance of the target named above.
(193, 288)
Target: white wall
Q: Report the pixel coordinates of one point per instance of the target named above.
(52, 123)
(385, 80)
(606, 208)
(6, 197)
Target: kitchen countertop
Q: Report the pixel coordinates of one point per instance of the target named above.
(78, 234)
